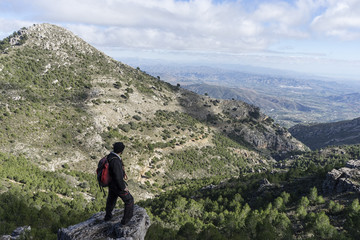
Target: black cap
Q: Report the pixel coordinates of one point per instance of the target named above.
(118, 147)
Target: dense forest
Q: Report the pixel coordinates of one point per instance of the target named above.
(290, 205)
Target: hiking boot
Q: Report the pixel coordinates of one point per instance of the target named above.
(124, 221)
(107, 218)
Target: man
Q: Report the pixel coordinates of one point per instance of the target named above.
(117, 186)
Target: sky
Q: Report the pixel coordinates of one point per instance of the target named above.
(319, 37)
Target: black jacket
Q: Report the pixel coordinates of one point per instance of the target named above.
(116, 172)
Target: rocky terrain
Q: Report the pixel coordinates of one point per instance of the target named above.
(346, 179)
(17, 234)
(321, 135)
(97, 228)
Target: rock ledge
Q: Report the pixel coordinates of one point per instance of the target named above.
(96, 228)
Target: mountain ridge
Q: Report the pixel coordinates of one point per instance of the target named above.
(326, 134)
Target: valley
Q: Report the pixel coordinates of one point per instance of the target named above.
(288, 98)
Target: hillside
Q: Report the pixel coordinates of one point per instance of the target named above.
(64, 103)
(296, 200)
(203, 168)
(326, 134)
(288, 98)
(306, 202)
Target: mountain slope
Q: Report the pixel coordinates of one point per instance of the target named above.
(325, 134)
(64, 103)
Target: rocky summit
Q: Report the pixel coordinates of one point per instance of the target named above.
(97, 228)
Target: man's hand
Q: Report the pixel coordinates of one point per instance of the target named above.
(126, 189)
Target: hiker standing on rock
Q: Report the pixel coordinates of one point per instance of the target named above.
(118, 186)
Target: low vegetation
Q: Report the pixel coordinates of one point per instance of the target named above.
(220, 207)
(292, 207)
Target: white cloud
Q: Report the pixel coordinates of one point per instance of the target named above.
(9, 26)
(169, 24)
(341, 19)
(240, 26)
(196, 24)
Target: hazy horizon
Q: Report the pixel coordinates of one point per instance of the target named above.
(144, 63)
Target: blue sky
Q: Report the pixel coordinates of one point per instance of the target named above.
(312, 36)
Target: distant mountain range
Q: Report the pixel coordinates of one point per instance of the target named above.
(266, 103)
(288, 99)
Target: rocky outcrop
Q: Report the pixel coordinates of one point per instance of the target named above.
(97, 228)
(19, 233)
(265, 185)
(345, 179)
(242, 122)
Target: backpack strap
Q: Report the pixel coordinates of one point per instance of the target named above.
(103, 190)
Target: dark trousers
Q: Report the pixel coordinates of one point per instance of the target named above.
(126, 197)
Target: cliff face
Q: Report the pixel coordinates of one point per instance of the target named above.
(97, 228)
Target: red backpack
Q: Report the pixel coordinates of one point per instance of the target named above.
(103, 175)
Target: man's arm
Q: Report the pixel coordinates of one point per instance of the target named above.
(118, 174)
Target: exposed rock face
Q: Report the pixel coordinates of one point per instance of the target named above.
(18, 233)
(345, 179)
(97, 228)
(252, 127)
(265, 185)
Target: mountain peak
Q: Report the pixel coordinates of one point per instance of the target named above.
(55, 38)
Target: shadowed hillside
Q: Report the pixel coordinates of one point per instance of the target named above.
(326, 134)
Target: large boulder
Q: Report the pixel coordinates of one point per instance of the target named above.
(97, 228)
(18, 233)
(345, 179)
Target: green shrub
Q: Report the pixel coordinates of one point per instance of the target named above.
(125, 127)
(117, 85)
(133, 125)
(137, 117)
